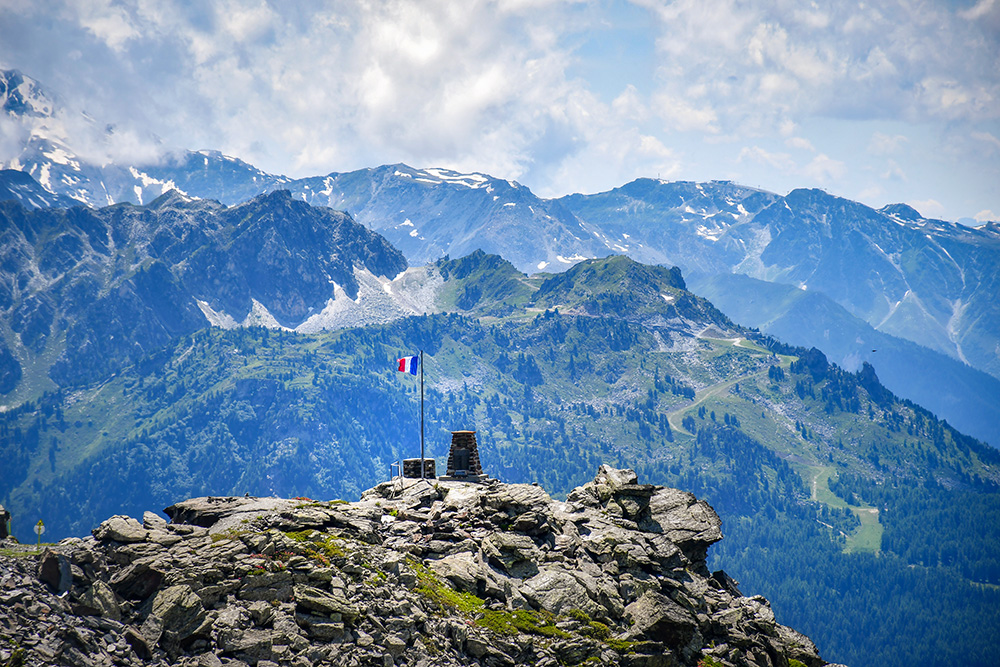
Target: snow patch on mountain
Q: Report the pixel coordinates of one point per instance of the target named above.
(708, 234)
(61, 156)
(215, 318)
(146, 181)
(260, 316)
(468, 180)
(23, 96)
(752, 264)
(379, 300)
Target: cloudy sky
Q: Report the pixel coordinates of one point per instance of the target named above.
(882, 101)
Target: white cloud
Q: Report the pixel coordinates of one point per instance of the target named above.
(769, 61)
(813, 18)
(787, 128)
(800, 143)
(13, 135)
(109, 23)
(893, 172)
(613, 157)
(884, 144)
(953, 99)
(505, 86)
(986, 216)
(987, 140)
(680, 115)
(984, 9)
(629, 105)
(780, 161)
(870, 195)
(824, 169)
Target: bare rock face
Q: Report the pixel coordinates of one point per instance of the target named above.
(417, 573)
(121, 529)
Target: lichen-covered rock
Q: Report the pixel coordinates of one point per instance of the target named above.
(417, 573)
(99, 600)
(658, 618)
(462, 570)
(332, 604)
(514, 553)
(180, 612)
(559, 591)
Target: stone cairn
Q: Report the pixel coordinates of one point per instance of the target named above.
(463, 458)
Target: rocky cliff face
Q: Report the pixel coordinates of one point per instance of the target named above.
(415, 573)
(99, 289)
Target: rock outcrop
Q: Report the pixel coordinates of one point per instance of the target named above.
(416, 573)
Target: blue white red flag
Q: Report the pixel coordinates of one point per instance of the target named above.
(408, 365)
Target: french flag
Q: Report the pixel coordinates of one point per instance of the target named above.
(409, 365)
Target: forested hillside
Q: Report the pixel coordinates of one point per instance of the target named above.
(822, 477)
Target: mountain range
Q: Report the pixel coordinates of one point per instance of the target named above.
(887, 271)
(926, 280)
(194, 342)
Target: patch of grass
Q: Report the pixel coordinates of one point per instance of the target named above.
(867, 538)
(12, 553)
(231, 534)
(433, 649)
(507, 623)
(622, 646)
(318, 546)
(430, 586)
(300, 535)
(18, 657)
(511, 623)
(598, 630)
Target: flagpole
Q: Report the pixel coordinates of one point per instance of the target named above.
(422, 414)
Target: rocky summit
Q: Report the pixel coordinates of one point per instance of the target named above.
(418, 572)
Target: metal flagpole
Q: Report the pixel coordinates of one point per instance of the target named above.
(422, 414)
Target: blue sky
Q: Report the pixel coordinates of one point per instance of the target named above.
(882, 102)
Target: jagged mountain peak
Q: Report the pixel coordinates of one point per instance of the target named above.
(21, 187)
(21, 95)
(475, 261)
(171, 199)
(442, 176)
(620, 287)
(902, 212)
(278, 197)
(620, 272)
(688, 197)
